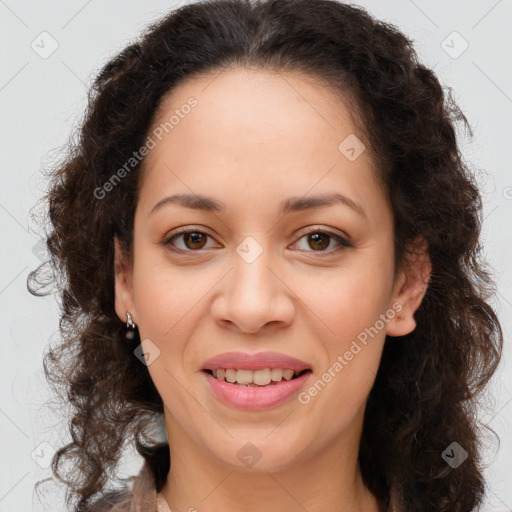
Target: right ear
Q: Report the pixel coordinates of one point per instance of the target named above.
(123, 284)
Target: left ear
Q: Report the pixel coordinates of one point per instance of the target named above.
(410, 288)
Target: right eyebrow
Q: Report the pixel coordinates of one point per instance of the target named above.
(193, 201)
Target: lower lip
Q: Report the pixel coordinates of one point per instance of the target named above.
(255, 398)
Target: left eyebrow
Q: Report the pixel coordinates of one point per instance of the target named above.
(295, 204)
(292, 204)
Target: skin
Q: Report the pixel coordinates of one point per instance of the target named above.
(255, 138)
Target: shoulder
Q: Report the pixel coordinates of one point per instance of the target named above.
(115, 501)
(140, 496)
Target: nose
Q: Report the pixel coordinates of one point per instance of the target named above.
(253, 295)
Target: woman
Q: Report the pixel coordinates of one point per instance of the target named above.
(268, 237)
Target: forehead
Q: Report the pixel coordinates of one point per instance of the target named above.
(267, 132)
(255, 106)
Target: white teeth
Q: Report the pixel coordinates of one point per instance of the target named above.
(254, 377)
(277, 374)
(244, 376)
(287, 374)
(231, 375)
(261, 377)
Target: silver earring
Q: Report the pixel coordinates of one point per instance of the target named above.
(130, 327)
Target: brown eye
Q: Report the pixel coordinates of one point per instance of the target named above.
(191, 241)
(194, 240)
(319, 240)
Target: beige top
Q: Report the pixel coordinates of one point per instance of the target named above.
(161, 504)
(141, 498)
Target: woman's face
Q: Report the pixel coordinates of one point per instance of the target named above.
(291, 252)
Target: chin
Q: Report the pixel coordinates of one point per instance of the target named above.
(257, 456)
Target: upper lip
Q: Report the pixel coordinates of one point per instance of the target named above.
(255, 361)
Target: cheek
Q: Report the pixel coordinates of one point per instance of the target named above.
(353, 309)
(346, 301)
(164, 300)
(165, 295)
(347, 373)
(354, 336)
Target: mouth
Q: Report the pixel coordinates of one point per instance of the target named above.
(255, 378)
(255, 390)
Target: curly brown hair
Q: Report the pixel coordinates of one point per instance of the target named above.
(424, 396)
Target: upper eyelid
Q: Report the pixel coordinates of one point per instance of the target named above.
(309, 230)
(204, 229)
(184, 231)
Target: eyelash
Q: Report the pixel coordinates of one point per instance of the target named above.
(344, 243)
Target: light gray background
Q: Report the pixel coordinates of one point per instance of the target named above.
(42, 98)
